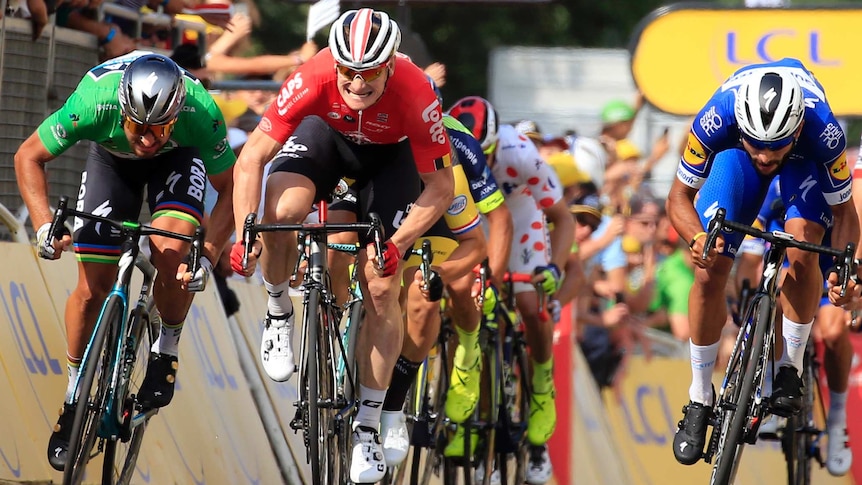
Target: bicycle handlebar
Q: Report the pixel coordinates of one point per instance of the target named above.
(483, 275)
(846, 259)
(128, 228)
(374, 228)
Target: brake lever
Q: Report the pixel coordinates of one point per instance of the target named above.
(248, 237)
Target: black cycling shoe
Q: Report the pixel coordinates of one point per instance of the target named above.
(58, 443)
(786, 392)
(157, 390)
(691, 436)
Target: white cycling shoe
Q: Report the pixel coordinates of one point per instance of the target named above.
(839, 456)
(367, 464)
(539, 469)
(276, 350)
(396, 438)
(480, 475)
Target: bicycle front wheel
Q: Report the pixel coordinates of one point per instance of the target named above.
(735, 407)
(121, 455)
(325, 436)
(426, 404)
(512, 444)
(91, 402)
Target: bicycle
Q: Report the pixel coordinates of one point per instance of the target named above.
(740, 406)
(503, 433)
(327, 374)
(110, 412)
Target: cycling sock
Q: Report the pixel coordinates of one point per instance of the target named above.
(169, 339)
(702, 362)
(279, 302)
(402, 377)
(369, 407)
(543, 376)
(73, 365)
(795, 337)
(467, 351)
(837, 409)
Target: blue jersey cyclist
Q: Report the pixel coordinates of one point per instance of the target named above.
(764, 120)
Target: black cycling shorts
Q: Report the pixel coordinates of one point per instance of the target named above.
(113, 187)
(384, 177)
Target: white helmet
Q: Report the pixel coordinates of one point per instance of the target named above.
(363, 39)
(769, 106)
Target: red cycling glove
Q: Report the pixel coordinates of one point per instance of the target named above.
(236, 253)
(391, 255)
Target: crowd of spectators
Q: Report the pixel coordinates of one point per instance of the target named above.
(628, 270)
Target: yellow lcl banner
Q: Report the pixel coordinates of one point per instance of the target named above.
(681, 55)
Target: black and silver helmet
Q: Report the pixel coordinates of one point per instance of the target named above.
(152, 90)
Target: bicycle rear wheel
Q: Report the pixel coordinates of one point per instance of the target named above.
(798, 441)
(734, 408)
(121, 455)
(95, 369)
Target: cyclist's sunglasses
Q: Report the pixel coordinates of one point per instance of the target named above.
(138, 129)
(769, 145)
(367, 75)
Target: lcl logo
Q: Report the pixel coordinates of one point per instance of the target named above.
(810, 41)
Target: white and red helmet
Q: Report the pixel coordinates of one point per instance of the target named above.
(363, 39)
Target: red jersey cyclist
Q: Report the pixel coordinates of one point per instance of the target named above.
(359, 110)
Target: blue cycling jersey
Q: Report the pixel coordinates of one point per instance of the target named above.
(468, 153)
(821, 141)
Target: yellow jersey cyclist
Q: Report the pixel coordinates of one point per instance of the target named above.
(154, 127)
(534, 196)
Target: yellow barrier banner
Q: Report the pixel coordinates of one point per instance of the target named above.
(33, 354)
(643, 417)
(682, 54)
(210, 433)
(283, 395)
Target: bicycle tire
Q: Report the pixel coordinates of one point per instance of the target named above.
(312, 321)
(88, 412)
(735, 415)
(516, 449)
(121, 456)
(800, 430)
(427, 450)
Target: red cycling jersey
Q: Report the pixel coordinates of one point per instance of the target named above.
(408, 109)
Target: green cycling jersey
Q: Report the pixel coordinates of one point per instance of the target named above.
(92, 112)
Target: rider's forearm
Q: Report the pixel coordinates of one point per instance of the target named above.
(681, 211)
(428, 208)
(563, 235)
(246, 195)
(219, 228)
(499, 242)
(846, 227)
(466, 256)
(33, 184)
